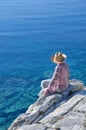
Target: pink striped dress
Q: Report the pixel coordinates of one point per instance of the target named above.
(60, 79)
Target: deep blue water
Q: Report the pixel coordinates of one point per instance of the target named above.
(30, 32)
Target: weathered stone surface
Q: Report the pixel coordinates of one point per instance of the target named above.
(23, 119)
(33, 127)
(70, 120)
(81, 106)
(53, 129)
(39, 108)
(42, 104)
(63, 109)
(56, 110)
(75, 85)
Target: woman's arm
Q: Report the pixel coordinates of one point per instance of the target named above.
(56, 76)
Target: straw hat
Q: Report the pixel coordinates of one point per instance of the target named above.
(59, 57)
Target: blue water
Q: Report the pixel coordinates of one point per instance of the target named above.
(30, 32)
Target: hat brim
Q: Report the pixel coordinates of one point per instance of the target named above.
(57, 59)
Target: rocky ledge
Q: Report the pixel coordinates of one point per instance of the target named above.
(59, 111)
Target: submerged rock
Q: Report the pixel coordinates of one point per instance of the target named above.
(64, 111)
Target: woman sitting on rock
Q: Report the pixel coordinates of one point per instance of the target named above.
(60, 78)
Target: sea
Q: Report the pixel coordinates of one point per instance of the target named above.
(30, 33)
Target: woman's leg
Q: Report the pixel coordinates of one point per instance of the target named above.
(45, 83)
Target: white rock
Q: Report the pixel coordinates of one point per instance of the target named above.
(63, 109)
(76, 85)
(47, 110)
(70, 121)
(81, 106)
(33, 127)
(44, 103)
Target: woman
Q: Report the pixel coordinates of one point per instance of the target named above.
(60, 78)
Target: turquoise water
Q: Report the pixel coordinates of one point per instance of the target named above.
(30, 32)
